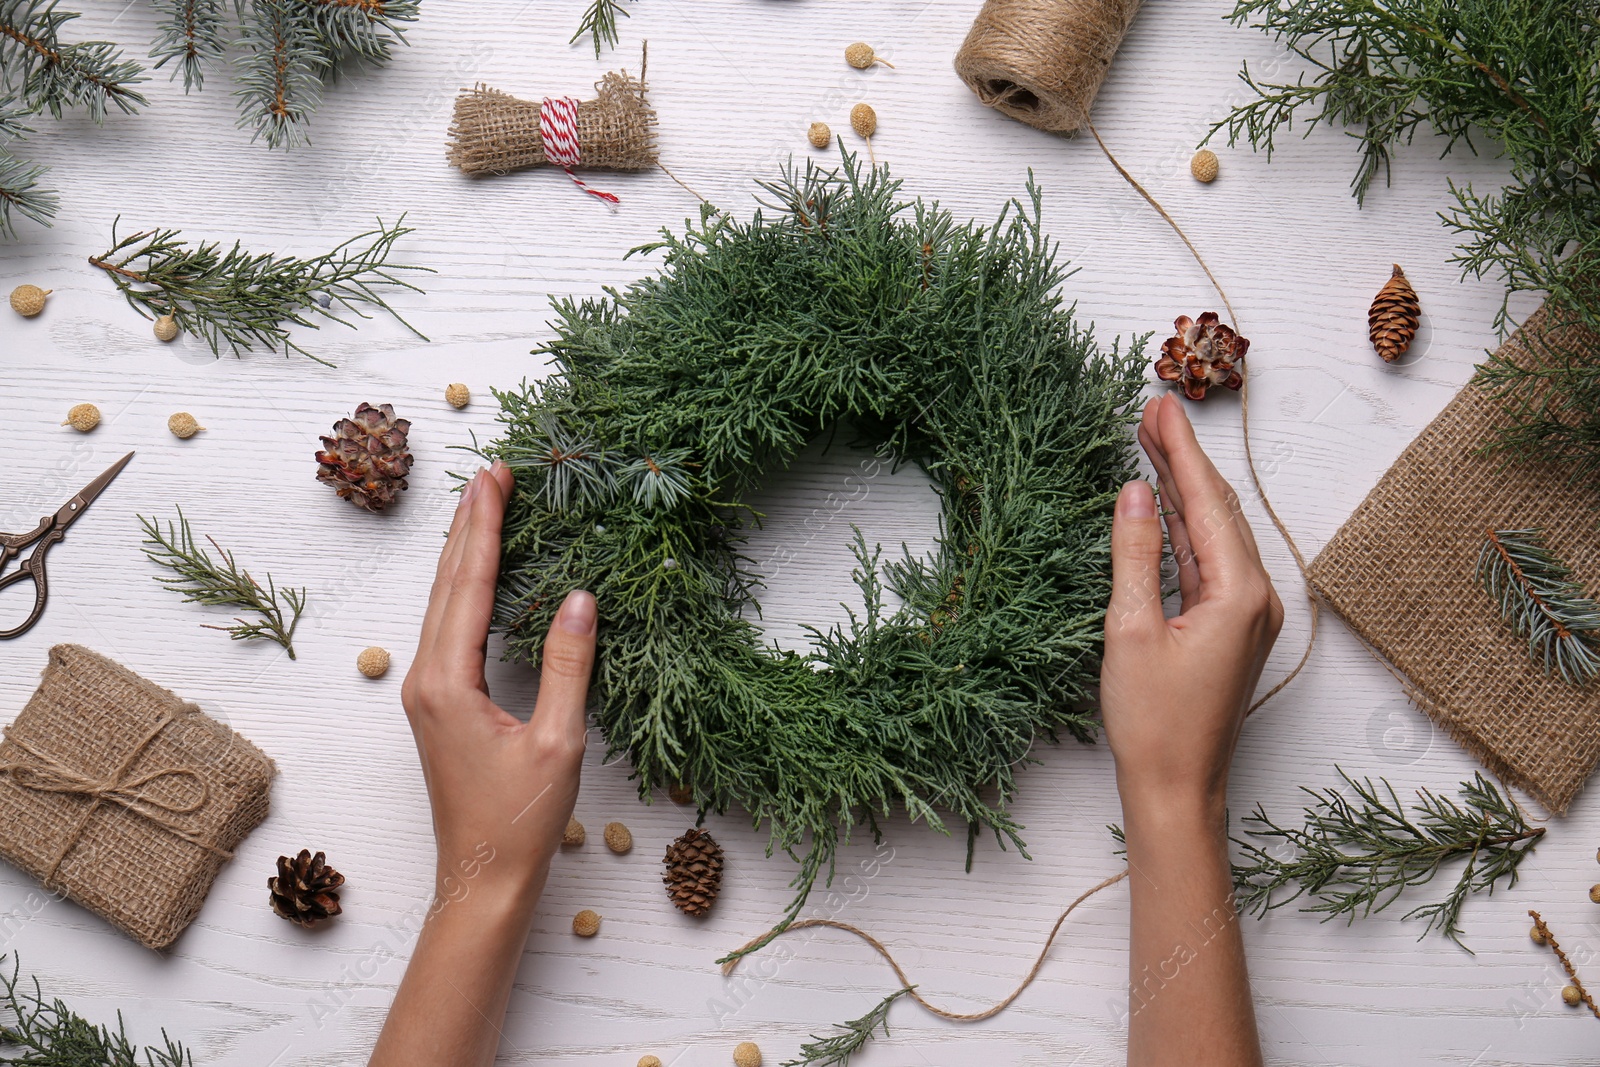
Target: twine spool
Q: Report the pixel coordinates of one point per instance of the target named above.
(1042, 61)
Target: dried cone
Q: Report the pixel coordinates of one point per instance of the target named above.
(1393, 318)
(694, 872)
(1203, 353)
(366, 460)
(305, 889)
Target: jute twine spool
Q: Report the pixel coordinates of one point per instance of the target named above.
(1042, 61)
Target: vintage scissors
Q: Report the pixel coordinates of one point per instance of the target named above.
(51, 529)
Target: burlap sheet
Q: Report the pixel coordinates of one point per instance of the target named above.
(141, 862)
(1402, 573)
(494, 132)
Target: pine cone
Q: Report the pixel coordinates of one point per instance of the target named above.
(1393, 318)
(305, 889)
(694, 872)
(1202, 354)
(366, 460)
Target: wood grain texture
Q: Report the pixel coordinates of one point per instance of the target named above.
(736, 83)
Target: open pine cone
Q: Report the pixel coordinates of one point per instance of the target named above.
(694, 872)
(305, 889)
(1202, 354)
(366, 460)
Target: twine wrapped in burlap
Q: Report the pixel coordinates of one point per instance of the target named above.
(123, 797)
(1042, 61)
(494, 132)
(1402, 573)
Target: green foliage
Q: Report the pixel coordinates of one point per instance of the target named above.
(242, 299)
(1355, 856)
(38, 70)
(280, 72)
(1538, 598)
(47, 1033)
(600, 23)
(836, 1049)
(204, 580)
(193, 33)
(949, 344)
(1519, 73)
(19, 179)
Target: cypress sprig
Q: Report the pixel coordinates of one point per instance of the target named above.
(241, 299)
(194, 33)
(1355, 855)
(34, 1030)
(203, 579)
(1536, 595)
(835, 1050)
(44, 72)
(600, 23)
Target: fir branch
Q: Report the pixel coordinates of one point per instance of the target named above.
(360, 29)
(281, 71)
(242, 299)
(192, 32)
(34, 1030)
(600, 23)
(19, 179)
(1355, 856)
(1536, 595)
(204, 580)
(46, 73)
(835, 1050)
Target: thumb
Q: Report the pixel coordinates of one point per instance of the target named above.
(1135, 563)
(567, 662)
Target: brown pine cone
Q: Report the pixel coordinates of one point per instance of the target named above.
(694, 872)
(305, 889)
(1204, 352)
(1394, 316)
(366, 460)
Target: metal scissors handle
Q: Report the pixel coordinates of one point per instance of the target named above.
(51, 528)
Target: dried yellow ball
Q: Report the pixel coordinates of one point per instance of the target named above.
(166, 328)
(1594, 893)
(618, 838)
(819, 135)
(574, 834)
(586, 923)
(864, 120)
(649, 1061)
(1538, 936)
(83, 417)
(1570, 996)
(183, 425)
(747, 1054)
(458, 395)
(1204, 166)
(28, 300)
(373, 662)
(861, 56)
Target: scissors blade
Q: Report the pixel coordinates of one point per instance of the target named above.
(77, 505)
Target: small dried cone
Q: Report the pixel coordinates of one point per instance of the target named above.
(1202, 353)
(1392, 320)
(694, 872)
(366, 460)
(305, 889)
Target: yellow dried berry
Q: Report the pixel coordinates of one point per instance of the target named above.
(586, 923)
(373, 662)
(747, 1054)
(861, 56)
(1594, 893)
(1570, 996)
(166, 328)
(28, 300)
(618, 838)
(819, 135)
(1204, 166)
(574, 834)
(1538, 936)
(83, 417)
(458, 394)
(864, 120)
(649, 1061)
(183, 425)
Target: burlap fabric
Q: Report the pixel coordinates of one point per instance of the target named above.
(123, 797)
(493, 132)
(1402, 573)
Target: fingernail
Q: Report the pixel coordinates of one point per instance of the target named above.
(1136, 501)
(578, 613)
(496, 467)
(472, 487)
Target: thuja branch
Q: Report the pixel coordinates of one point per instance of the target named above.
(42, 71)
(221, 581)
(1538, 598)
(39, 1031)
(835, 1050)
(242, 299)
(1356, 854)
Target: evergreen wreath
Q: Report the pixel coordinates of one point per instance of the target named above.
(843, 305)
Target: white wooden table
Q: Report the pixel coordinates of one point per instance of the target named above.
(736, 82)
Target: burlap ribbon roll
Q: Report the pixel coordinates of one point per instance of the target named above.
(494, 132)
(1042, 61)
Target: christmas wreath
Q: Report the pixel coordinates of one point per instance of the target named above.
(946, 343)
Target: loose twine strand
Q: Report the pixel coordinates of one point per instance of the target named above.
(1572, 972)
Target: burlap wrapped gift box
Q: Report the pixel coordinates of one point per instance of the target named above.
(1402, 573)
(123, 797)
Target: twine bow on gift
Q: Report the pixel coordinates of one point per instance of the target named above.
(44, 773)
(558, 128)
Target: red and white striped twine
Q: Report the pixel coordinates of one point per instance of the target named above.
(558, 127)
